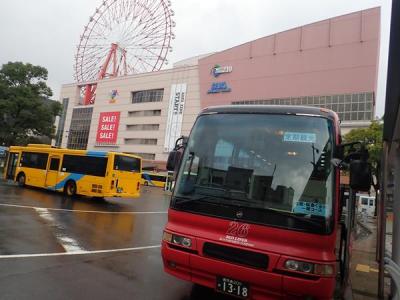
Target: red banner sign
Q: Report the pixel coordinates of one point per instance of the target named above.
(107, 131)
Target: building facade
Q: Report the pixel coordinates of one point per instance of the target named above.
(330, 64)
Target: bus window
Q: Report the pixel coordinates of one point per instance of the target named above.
(87, 165)
(126, 163)
(54, 164)
(34, 160)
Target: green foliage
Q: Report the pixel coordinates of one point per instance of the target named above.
(25, 109)
(372, 136)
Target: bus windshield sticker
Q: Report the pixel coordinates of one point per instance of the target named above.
(299, 137)
(310, 208)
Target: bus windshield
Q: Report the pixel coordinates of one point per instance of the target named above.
(267, 169)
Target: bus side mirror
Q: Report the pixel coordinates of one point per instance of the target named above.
(174, 158)
(360, 175)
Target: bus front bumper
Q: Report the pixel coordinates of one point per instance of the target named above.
(263, 284)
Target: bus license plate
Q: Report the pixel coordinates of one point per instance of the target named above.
(232, 287)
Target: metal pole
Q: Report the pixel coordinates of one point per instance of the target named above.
(381, 238)
(396, 213)
(349, 222)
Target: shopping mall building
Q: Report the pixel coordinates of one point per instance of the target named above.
(331, 64)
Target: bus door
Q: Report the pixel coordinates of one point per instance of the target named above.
(52, 172)
(12, 165)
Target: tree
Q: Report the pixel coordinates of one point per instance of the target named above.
(26, 112)
(372, 136)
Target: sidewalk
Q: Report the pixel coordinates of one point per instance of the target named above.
(364, 267)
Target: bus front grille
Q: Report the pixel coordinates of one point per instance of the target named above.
(236, 255)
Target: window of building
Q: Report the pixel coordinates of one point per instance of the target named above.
(78, 134)
(150, 156)
(350, 107)
(145, 113)
(86, 165)
(34, 160)
(136, 141)
(148, 96)
(147, 127)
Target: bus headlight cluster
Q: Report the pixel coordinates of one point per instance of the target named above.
(308, 268)
(177, 239)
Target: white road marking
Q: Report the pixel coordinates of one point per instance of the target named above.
(85, 211)
(67, 242)
(77, 252)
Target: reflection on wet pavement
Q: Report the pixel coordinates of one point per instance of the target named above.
(30, 225)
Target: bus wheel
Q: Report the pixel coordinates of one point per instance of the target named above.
(21, 179)
(70, 188)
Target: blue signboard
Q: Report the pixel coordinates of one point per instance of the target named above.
(219, 87)
(299, 137)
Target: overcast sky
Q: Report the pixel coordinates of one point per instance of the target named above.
(46, 32)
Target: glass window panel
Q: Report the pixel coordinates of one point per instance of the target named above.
(341, 108)
(347, 107)
(361, 97)
(361, 106)
(354, 107)
(354, 98)
(369, 97)
(335, 99)
(368, 106)
(335, 107)
(353, 116)
(328, 100)
(368, 116)
(347, 116)
(341, 98)
(316, 99)
(360, 116)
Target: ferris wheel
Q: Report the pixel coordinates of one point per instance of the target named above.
(124, 37)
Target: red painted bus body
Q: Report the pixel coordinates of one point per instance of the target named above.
(270, 248)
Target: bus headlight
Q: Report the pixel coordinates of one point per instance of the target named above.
(177, 239)
(309, 268)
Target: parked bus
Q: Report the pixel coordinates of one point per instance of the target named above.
(81, 172)
(255, 208)
(154, 179)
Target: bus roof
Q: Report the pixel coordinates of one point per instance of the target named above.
(52, 149)
(271, 109)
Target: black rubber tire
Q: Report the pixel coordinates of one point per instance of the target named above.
(70, 188)
(21, 179)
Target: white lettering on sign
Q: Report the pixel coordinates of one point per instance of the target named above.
(175, 115)
(108, 128)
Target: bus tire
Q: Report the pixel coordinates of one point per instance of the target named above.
(70, 188)
(21, 179)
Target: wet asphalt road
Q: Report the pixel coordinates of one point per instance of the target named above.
(34, 221)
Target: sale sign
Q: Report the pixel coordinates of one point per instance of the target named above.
(107, 131)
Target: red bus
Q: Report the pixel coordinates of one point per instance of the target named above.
(255, 210)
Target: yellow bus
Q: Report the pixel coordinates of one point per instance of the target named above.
(75, 172)
(154, 179)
